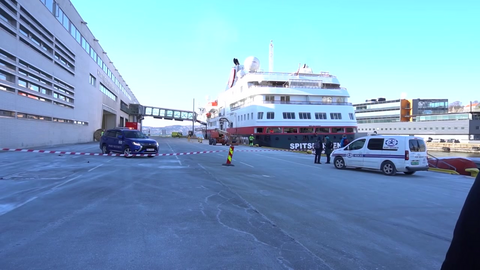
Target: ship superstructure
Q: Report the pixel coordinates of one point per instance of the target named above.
(282, 109)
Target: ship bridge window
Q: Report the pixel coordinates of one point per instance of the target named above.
(330, 86)
(270, 115)
(258, 130)
(351, 116)
(288, 115)
(350, 130)
(260, 115)
(320, 115)
(274, 130)
(338, 130)
(266, 84)
(322, 130)
(335, 116)
(305, 115)
(290, 130)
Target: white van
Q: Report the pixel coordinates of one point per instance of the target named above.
(390, 154)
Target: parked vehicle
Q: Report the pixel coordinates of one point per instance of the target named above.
(390, 154)
(177, 134)
(218, 136)
(128, 142)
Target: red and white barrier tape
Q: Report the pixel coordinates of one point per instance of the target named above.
(111, 155)
(136, 155)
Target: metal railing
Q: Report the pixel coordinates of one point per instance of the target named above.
(306, 102)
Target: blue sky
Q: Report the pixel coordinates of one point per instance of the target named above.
(171, 52)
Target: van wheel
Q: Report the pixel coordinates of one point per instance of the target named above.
(408, 173)
(388, 168)
(105, 149)
(127, 152)
(339, 163)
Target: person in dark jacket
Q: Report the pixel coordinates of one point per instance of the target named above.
(318, 146)
(464, 251)
(328, 148)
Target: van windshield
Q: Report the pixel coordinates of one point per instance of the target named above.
(134, 134)
(417, 145)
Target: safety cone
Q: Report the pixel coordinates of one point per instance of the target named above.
(229, 158)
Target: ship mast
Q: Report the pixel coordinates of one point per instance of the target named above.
(270, 62)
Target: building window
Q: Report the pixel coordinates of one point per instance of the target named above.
(260, 115)
(320, 115)
(351, 116)
(304, 115)
(270, 115)
(107, 92)
(288, 115)
(93, 80)
(335, 116)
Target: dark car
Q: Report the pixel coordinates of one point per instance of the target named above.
(128, 142)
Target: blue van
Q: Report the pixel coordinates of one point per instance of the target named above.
(128, 142)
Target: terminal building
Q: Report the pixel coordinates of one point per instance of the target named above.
(57, 84)
(428, 118)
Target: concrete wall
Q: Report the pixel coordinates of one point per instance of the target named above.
(89, 102)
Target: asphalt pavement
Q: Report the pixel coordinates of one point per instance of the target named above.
(271, 210)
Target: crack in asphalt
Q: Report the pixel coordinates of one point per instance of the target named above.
(262, 220)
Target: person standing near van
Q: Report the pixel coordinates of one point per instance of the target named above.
(318, 146)
(328, 148)
(344, 141)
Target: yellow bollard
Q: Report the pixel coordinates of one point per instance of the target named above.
(188, 138)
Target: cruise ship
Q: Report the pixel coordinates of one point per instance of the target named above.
(288, 110)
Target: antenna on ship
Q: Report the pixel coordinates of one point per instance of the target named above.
(270, 62)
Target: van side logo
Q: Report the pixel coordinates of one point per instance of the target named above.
(390, 143)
